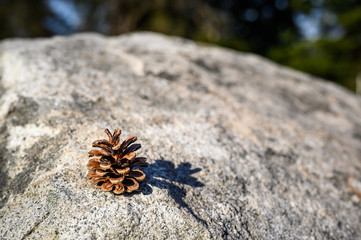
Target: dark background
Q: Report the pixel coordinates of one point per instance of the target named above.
(321, 37)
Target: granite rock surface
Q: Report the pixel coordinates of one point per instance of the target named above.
(238, 146)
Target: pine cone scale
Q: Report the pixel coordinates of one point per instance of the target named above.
(128, 141)
(98, 179)
(91, 174)
(102, 141)
(116, 180)
(103, 152)
(129, 156)
(132, 148)
(131, 184)
(107, 186)
(93, 163)
(104, 166)
(109, 135)
(100, 172)
(137, 174)
(116, 134)
(112, 169)
(123, 171)
(119, 189)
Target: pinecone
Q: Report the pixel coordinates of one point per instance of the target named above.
(112, 167)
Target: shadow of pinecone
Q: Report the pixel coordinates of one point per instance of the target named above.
(163, 174)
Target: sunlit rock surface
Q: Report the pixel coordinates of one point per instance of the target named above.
(239, 147)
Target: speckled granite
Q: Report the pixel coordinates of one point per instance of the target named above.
(239, 147)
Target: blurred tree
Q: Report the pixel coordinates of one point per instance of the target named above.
(336, 55)
(263, 23)
(274, 28)
(19, 18)
(243, 25)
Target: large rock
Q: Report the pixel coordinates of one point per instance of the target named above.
(239, 147)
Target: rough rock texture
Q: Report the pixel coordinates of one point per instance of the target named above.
(239, 147)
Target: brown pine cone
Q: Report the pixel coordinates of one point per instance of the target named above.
(112, 167)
